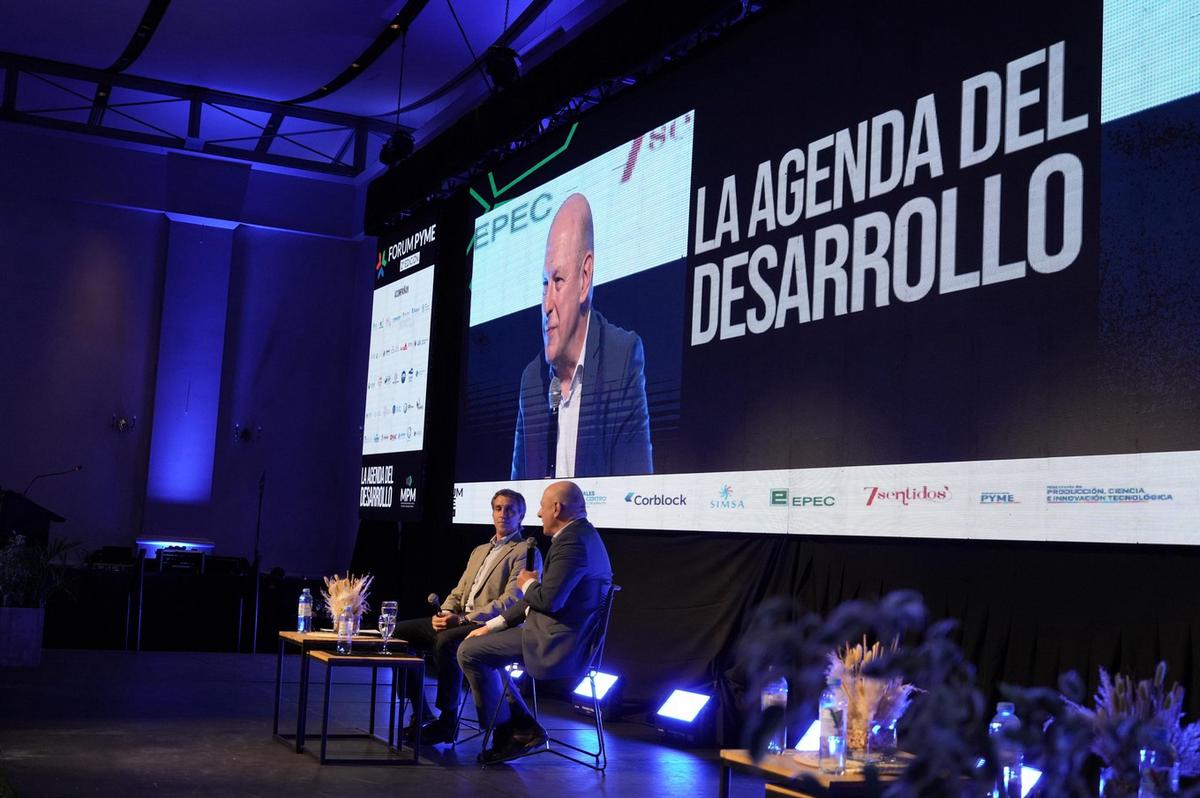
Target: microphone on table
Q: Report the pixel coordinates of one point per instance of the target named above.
(530, 550)
(435, 602)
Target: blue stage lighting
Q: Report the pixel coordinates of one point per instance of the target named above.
(683, 705)
(604, 683)
(811, 739)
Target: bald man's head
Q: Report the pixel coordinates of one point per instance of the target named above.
(567, 282)
(562, 503)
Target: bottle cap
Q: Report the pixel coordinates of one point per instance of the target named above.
(1005, 707)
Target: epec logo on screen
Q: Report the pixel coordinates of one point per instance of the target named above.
(997, 497)
(726, 501)
(655, 499)
(779, 498)
(906, 496)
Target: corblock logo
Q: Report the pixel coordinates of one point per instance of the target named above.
(591, 498)
(726, 501)
(655, 500)
(1084, 494)
(997, 497)
(779, 498)
(906, 496)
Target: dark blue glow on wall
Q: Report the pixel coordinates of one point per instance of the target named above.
(191, 348)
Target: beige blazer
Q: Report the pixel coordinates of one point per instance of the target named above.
(499, 590)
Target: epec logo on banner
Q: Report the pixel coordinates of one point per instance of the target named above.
(779, 498)
(402, 248)
(906, 496)
(655, 500)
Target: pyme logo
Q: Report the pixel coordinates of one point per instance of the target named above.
(655, 500)
(725, 500)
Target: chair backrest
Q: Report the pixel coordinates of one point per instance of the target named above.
(596, 644)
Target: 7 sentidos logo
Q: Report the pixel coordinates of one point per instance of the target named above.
(907, 496)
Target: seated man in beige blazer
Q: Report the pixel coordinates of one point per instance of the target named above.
(487, 588)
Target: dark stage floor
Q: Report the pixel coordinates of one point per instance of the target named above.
(168, 724)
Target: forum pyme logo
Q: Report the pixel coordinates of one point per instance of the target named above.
(380, 265)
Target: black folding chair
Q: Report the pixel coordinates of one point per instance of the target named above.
(599, 757)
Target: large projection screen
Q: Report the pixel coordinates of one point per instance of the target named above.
(940, 283)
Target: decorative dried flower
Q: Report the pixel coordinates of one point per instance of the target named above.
(1126, 710)
(868, 698)
(349, 592)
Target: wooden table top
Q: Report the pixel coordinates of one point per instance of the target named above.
(330, 637)
(796, 765)
(334, 658)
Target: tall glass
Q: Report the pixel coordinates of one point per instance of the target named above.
(387, 624)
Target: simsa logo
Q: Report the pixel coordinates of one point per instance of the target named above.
(907, 496)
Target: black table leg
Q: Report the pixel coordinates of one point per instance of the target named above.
(278, 686)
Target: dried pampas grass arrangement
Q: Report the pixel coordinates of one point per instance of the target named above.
(351, 592)
(868, 698)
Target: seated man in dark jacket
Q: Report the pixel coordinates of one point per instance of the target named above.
(486, 588)
(549, 629)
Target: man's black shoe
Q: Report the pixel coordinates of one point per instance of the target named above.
(440, 731)
(522, 741)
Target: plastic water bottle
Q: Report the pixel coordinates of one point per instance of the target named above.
(1158, 768)
(831, 748)
(304, 611)
(1009, 757)
(775, 694)
(345, 631)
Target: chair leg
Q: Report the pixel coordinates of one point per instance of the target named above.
(476, 728)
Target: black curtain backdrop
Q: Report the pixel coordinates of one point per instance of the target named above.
(1028, 612)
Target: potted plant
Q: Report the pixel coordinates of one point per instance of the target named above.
(28, 575)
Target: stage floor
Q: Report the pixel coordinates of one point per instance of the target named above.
(198, 724)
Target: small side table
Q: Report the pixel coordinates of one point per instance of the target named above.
(409, 666)
(306, 642)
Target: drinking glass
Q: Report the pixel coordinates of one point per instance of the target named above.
(387, 624)
(881, 741)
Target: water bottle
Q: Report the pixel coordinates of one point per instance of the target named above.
(1158, 768)
(345, 631)
(831, 748)
(304, 612)
(1003, 730)
(774, 694)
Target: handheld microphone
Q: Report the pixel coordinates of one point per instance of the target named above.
(50, 474)
(552, 437)
(530, 549)
(436, 602)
